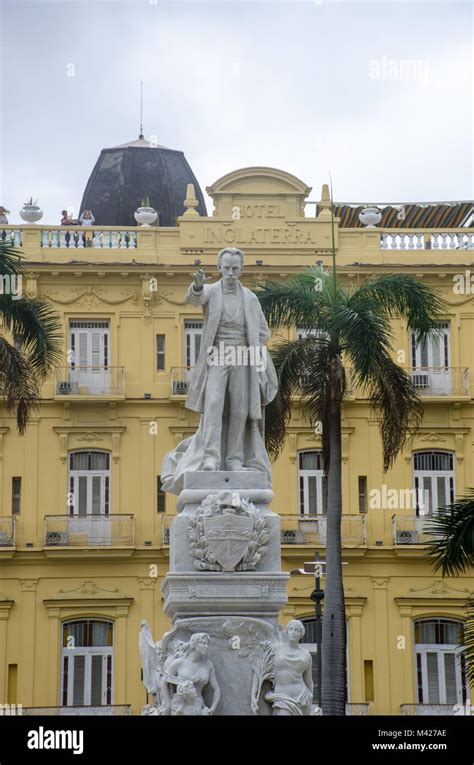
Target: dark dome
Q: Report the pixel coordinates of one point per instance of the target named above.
(124, 175)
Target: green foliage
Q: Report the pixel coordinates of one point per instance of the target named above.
(353, 324)
(26, 362)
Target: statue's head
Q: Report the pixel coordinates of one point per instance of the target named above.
(230, 262)
(199, 642)
(295, 630)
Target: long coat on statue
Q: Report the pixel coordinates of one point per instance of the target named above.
(263, 386)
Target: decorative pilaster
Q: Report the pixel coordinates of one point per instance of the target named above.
(27, 642)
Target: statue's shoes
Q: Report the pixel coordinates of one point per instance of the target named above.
(209, 465)
(235, 466)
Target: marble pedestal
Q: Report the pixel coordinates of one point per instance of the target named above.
(236, 608)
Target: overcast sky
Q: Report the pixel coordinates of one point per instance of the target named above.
(379, 94)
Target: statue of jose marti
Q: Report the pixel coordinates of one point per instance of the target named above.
(234, 378)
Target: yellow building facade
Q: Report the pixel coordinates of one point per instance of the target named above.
(84, 528)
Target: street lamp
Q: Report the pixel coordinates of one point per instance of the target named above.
(315, 568)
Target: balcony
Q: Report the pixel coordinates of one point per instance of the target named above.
(66, 533)
(111, 709)
(403, 240)
(441, 381)
(180, 379)
(80, 382)
(7, 534)
(75, 237)
(409, 530)
(428, 709)
(311, 530)
(434, 382)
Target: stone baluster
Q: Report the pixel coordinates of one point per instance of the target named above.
(45, 238)
(64, 238)
(445, 241)
(97, 239)
(17, 237)
(123, 240)
(80, 240)
(411, 241)
(434, 241)
(133, 239)
(54, 239)
(420, 242)
(114, 239)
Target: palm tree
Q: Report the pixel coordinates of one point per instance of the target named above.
(342, 324)
(29, 358)
(451, 549)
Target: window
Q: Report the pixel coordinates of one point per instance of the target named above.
(160, 352)
(89, 483)
(434, 480)
(431, 361)
(87, 663)
(160, 496)
(311, 644)
(89, 350)
(362, 494)
(16, 495)
(192, 342)
(312, 483)
(440, 670)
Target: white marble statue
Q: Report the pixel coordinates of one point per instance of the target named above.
(176, 673)
(234, 378)
(287, 666)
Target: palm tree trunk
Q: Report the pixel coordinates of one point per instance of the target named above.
(334, 622)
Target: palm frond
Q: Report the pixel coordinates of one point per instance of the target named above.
(35, 326)
(452, 547)
(18, 384)
(300, 366)
(10, 260)
(403, 295)
(298, 302)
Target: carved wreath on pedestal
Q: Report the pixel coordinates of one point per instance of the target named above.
(227, 533)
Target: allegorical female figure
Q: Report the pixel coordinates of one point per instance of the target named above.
(194, 667)
(287, 665)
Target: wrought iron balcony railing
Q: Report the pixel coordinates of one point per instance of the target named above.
(116, 530)
(410, 529)
(441, 381)
(180, 379)
(89, 381)
(311, 530)
(428, 381)
(428, 709)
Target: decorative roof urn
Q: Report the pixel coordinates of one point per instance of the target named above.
(145, 215)
(370, 217)
(30, 212)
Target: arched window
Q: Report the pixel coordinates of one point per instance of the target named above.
(440, 670)
(433, 473)
(312, 483)
(87, 663)
(89, 483)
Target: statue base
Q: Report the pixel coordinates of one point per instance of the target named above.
(225, 576)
